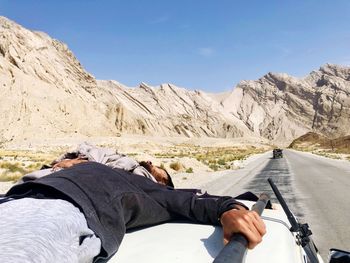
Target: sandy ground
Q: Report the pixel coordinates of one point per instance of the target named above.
(200, 179)
(136, 143)
(4, 186)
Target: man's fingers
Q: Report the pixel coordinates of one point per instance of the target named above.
(256, 229)
(252, 234)
(248, 223)
(258, 223)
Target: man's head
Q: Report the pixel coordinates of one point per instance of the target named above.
(160, 174)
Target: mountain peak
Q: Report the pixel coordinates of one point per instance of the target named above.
(336, 70)
(6, 21)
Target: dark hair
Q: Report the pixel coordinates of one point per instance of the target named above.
(147, 165)
(170, 181)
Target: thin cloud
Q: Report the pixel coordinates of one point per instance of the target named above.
(206, 51)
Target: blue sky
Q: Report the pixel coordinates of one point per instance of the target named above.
(200, 44)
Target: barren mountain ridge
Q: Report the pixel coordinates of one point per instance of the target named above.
(46, 93)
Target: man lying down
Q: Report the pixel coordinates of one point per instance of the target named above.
(80, 214)
(86, 152)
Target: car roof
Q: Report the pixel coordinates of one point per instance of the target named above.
(180, 242)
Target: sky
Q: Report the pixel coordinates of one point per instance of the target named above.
(200, 44)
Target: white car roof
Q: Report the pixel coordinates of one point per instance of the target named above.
(185, 242)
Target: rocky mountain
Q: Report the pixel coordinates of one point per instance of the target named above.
(46, 93)
(313, 142)
(280, 107)
(44, 90)
(167, 110)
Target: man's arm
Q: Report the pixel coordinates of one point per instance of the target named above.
(231, 214)
(68, 163)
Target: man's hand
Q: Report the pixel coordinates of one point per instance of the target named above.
(248, 223)
(67, 163)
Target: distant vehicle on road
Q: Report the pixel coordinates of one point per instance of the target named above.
(277, 153)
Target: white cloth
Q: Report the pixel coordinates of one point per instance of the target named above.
(45, 230)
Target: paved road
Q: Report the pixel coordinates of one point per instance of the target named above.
(324, 188)
(316, 189)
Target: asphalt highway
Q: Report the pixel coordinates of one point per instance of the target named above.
(316, 189)
(323, 187)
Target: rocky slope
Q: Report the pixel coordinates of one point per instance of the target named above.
(44, 90)
(46, 93)
(280, 107)
(167, 110)
(313, 142)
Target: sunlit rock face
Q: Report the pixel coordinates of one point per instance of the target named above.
(281, 108)
(46, 93)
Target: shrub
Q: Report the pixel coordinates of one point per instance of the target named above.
(176, 166)
(8, 176)
(34, 166)
(221, 162)
(13, 167)
(189, 170)
(213, 167)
